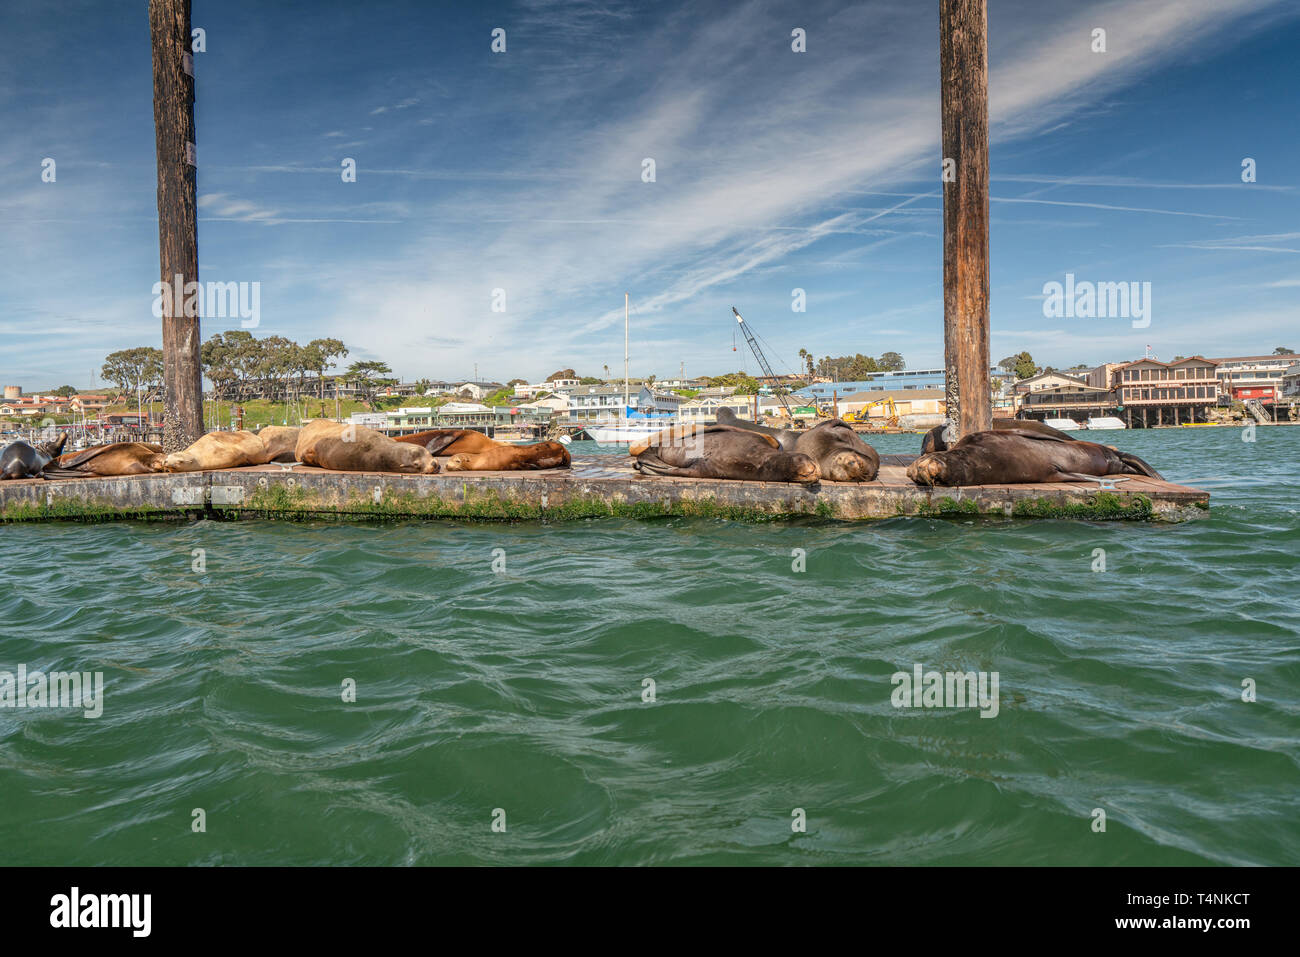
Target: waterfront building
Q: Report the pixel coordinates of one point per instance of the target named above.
(1151, 392)
(1071, 399)
(1253, 377)
(1291, 383)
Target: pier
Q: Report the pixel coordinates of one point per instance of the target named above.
(596, 486)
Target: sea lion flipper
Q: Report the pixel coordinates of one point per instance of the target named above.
(1135, 466)
(440, 442)
(80, 458)
(722, 427)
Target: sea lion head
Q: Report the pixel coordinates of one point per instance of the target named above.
(459, 463)
(55, 449)
(848, 466)
(930, 469)
(185, 461)
(414, 459)
(806, 471)
(840, 452)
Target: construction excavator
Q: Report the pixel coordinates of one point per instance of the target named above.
(863, 415)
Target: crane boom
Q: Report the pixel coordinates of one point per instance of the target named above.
(762, 362)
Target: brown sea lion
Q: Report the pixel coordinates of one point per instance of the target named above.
(472, 451)
(280, 441)
(512, 458)
(116, 458)
(218, 450)
(721, 452)
(450, 441)
(355, 448)
(934, 440)
(839, 452)
(1006, 457)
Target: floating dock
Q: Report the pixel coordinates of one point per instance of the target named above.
(595, 486)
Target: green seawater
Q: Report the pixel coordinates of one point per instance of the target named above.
(521, 689)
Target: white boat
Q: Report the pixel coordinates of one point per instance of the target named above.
(1065, 425)
(627, 433)
(1106, 422)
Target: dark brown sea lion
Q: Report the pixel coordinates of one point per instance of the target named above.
(934, 440)
(839, 452)
(355, 448)
(22, 460)
(116, 458)
(218, 450)
(512, 458)
(281, 442)
(1006, 457)
(721, 452)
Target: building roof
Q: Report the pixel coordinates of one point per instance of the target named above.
(1291, 355)
(898, 395)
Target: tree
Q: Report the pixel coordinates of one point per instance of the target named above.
(1008, 364)
(891, 362)
(319, 356)
(562, 374)
(138, 370)
(1283, 351)
(590, 380)
(369, 375)
(1024, 367)
(67, 391)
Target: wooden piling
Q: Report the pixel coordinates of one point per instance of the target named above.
(178, 247)
(963, 69)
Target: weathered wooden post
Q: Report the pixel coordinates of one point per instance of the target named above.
(963, 70)
(178, 246)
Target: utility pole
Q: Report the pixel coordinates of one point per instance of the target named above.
(963, 70)
(178, 245)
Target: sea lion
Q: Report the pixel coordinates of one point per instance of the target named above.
(1007, 457)
(512, 458)
(219, 450)
(115, 458)
(22, 460)
(472, 451)
(355, 448)
(280, 441)
(936, 440)
(721, 452)
(839, 452)
(450, 441)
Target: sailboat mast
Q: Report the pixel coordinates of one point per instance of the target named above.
(625, 395)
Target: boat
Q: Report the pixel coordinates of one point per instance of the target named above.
(1065, 425)
(626, 432)
(1105, 422)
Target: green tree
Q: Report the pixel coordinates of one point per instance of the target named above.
(1283, 351)
(1024, 367)
(319, 355)
(67, 391)
(369, 375)
(138, 370)
(891, 362)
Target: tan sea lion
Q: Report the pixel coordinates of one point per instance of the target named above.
(218, 450)
(840, 453)
(512, 458)
(1006, 457)
(280, 441)
(355, 448)
(116, 458)
(721, 452)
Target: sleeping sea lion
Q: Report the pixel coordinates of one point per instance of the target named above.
(935, 440)
(472, 451)
(839, 452)
(21, 460)
(450, 441)
(219, 450)
(1007, 457)
(512, 458)
(355, 448)
(280, 442)
(115, 458)
(721, 452)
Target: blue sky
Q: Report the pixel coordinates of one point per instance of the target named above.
(775, 170)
